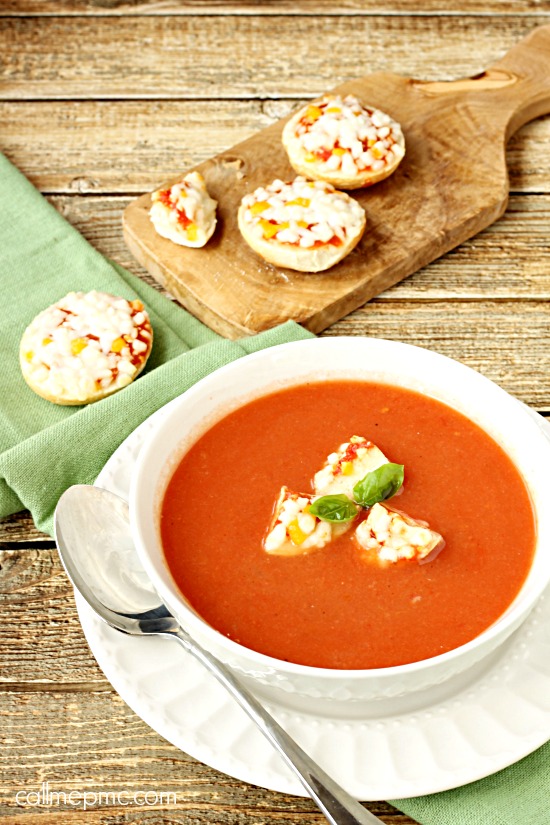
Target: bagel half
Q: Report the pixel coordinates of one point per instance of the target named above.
(343, 142)
(304, 225)
(85, 347)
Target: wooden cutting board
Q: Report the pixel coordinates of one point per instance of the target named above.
(452, 183)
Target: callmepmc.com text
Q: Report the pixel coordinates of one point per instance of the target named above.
(47, 797)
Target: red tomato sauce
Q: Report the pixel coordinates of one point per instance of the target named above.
(331, 608)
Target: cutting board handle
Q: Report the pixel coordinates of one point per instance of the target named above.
(527, 67)
(514, 90)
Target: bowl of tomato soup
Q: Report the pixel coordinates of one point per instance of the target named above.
(345, 519)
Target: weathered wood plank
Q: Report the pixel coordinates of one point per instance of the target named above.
(118, 146)
(93, 742)
(20, 528)
(225, 56)
(124, 146)
(506, 345)
(41, 641)
(267, 7)
(100, 747)
(97, 743)
(190, 814)
(509, 260)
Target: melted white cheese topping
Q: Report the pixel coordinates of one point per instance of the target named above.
(347, 465)
(344, 135)
(84, 344)
(293, 529)
(185, 213)
(393, 536)
(305, 213)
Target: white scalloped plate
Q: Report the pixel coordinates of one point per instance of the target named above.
(430, 741)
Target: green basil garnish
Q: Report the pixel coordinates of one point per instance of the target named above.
(337, 509)
(379, 485)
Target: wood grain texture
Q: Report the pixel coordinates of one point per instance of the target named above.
(506, 346)
(191, 813)
(269, 7)
(124, 146)
(96, 743)
(452, 183)
(94, 147)
(19, 528)
(36, 593)
(508, 260)
(225, 57)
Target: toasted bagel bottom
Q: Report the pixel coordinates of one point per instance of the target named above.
(73, 402)
(291, 256)
(314, 170)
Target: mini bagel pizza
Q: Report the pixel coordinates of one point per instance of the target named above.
(339, 140)
(294, 530)
(184, 213)
(304, 225)
(84, 347)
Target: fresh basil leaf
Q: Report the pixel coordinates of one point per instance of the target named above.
(337, 509)
(382, 483)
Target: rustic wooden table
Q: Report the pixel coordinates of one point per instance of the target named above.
(100, 101)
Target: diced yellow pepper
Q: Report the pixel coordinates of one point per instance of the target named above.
(347, 468)
(192, 232)
(370, 142)
(297, 536)
(118, 345)
(313, 112)
(46, 341)
(137, 305)
(271, 229)
(303, 224)
(259, 207)
(339, 151)
(376, 153)
(29, 355)
(310, 157)
(333, 109)
(77, 345)
(299, 202)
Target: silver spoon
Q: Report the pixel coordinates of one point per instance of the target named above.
(93, 537)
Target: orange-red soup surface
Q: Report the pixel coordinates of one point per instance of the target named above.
(331, 608)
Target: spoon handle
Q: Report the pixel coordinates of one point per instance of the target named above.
(338, 806)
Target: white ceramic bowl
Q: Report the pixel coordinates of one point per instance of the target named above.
(503, 417)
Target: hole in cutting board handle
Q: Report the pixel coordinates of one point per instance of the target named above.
(491, 79)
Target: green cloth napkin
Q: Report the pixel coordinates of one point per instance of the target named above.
(44, 448)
